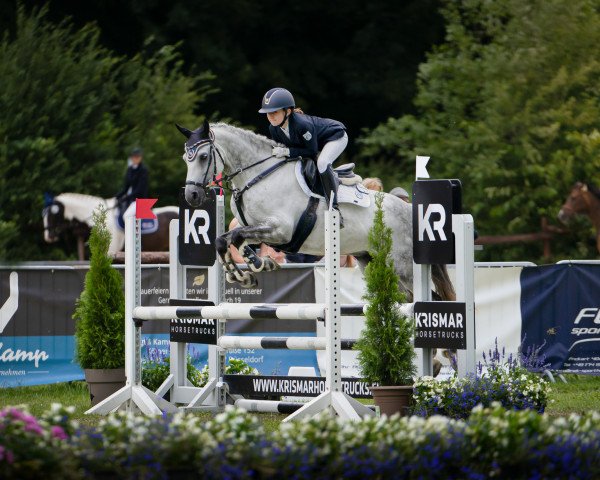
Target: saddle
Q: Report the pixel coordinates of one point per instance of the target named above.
(345, 176)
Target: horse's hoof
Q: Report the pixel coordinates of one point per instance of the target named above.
(230, 277)
(256, 269)
(249, 280)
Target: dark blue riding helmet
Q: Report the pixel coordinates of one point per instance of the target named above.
(277, 99)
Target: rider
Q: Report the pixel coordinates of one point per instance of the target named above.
(136, 181)
(305, 135)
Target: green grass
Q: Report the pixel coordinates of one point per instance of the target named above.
(580, 394)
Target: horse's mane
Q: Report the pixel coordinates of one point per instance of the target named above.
(80, 206)
(79, 196)
(255, 139)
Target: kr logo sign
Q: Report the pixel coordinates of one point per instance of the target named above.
(197, 231)
(427, 225)
(434, 202)
(195, 227)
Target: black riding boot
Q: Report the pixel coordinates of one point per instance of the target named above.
(330, 183)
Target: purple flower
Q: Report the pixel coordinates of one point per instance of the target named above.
(58, 432)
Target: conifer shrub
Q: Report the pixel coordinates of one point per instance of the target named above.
(385, 350)
(100, 309)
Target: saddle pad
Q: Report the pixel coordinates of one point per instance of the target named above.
(147, 225)
(355, 194)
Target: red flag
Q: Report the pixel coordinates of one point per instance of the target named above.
(143, 207)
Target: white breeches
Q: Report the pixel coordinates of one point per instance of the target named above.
(331, 151)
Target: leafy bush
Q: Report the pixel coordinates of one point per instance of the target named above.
(155, 372)
(100, 309)
(492, 442)
(498, 379)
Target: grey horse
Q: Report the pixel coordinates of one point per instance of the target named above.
(270, 202)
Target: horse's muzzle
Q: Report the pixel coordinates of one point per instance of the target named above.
(564, 217)
(194, 195)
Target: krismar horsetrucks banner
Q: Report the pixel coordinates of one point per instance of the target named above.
(555, 306)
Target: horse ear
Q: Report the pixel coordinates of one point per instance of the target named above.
(206, 128)
(187, 133)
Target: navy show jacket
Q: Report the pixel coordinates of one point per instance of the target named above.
(136, 179)
(308, 134)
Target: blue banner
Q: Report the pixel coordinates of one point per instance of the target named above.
(560, 308)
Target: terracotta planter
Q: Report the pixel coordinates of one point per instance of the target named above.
(390, 400)
(103, 382)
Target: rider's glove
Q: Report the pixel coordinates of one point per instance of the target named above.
(280, 152)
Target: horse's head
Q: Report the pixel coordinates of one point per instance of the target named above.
(53, 215)
(577, 202)
(201, 162)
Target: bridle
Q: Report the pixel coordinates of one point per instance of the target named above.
(225, 182)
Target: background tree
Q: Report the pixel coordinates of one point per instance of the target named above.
(70, 110)
(351, 60)
(509, 104)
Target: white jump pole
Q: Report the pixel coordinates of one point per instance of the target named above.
(133, 396)
(464, 234)
(244, 311)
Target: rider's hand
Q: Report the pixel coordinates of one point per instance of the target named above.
(280, 152)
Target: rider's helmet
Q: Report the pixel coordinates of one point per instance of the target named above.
(277, 99)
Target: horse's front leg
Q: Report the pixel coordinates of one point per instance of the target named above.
(233, 273)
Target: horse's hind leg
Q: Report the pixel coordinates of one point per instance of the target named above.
(241, 239)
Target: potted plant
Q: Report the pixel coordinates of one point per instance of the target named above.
(100, 318)
(385, 348)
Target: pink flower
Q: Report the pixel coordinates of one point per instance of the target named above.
(58, 432)
(31, 425)
(4, 453)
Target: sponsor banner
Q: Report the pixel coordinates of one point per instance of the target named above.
(275, 386)
(440, 325)
(36, 360)
(560, 305)
(38, 303)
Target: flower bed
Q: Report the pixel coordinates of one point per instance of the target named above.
(512, 382)
(492, 442)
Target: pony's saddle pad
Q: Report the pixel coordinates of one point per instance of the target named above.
(350, 190)
(147, 225)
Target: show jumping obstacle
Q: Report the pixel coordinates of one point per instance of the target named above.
(214, 395)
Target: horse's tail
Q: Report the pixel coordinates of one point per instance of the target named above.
(441, 281)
